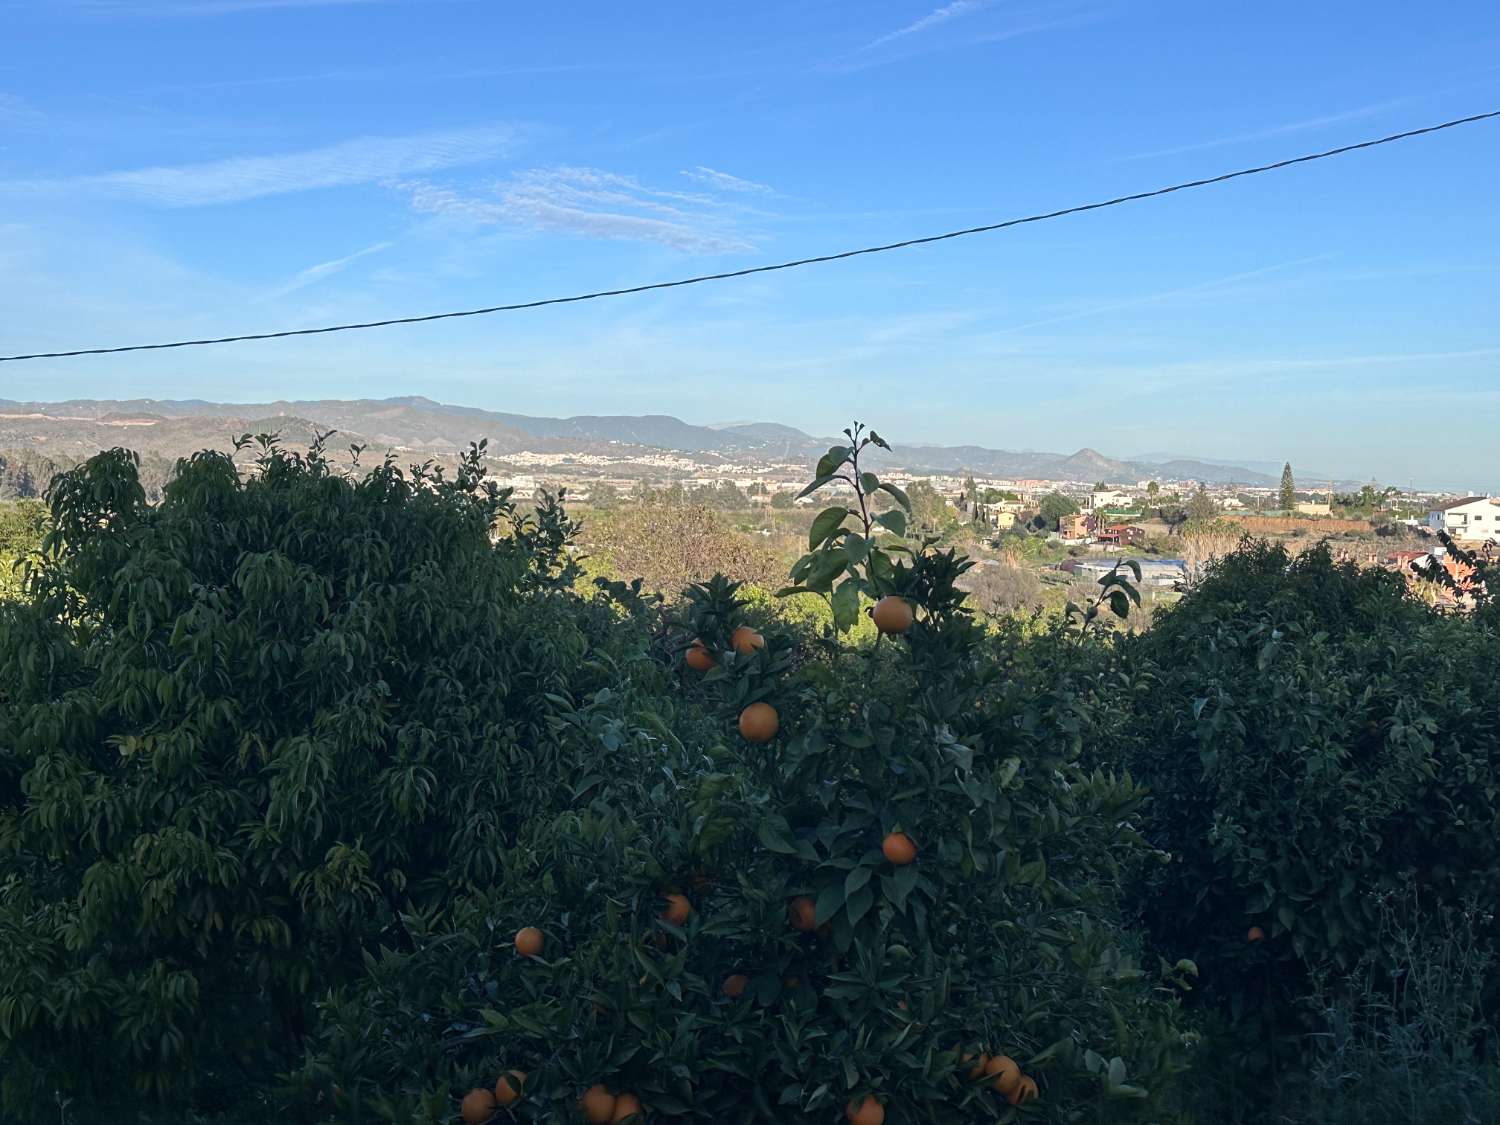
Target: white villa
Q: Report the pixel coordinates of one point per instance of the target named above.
(1472, 517)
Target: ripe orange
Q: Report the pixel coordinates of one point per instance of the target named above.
(735, 984)
(529, 941)
(746, 640)
(865, 1112)
(893, 614)
(678, 909)
(759, 723)
(626, 1107)
(1006, 1074)
(803, 913)
(598, 1105)
(981, 1061)
(698, 658)
(508, 1089)
(478, 1105)
(898, 848)
(1025, 1090)
(1256, 934)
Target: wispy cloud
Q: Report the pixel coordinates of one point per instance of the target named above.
(595, 204)
(947, 12)
(1020, 24)
(16, 111)
(1164, 295)
(324, 270)
(1289, 128)
(723, 181)
(376, 74)
(360, 161)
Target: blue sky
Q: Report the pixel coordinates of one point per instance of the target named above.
(173, 168)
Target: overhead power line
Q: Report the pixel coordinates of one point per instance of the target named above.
(601, 293)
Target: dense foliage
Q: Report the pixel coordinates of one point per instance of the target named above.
(286, 760)
(1322, 752)
(293, 760)
(22, 524)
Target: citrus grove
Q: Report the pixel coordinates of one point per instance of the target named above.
(331, 796)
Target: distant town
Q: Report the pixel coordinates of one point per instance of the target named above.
(1065, 517)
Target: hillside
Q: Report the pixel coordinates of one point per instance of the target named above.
(417, 424)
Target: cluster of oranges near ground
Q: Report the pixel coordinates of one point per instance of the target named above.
(759, 722)
(1004, 1075)
(481, 1105)
(599, 1105)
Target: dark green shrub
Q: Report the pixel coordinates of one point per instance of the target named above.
(244, 736)
(1314, 741)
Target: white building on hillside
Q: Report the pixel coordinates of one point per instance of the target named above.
(1472, 517)
(1108, 498)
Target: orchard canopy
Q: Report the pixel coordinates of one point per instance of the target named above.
(334, 794)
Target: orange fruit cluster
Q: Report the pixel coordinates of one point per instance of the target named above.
(481, 1105)
(744, 640)
(1002, 1073)
(600, 1107)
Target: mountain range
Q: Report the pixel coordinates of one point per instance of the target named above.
(175, 428)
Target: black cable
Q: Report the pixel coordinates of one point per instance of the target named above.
(779, 265)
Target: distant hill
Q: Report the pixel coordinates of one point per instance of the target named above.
(1306, 478)
(417, 424)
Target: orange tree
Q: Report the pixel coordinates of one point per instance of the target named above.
(289, 762)
(830, 923)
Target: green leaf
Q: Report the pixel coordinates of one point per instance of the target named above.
(856, 879)
(830, 461)
(881, 569)
(893, 521)
(776, 835)
(828, 522)
(818, 482)
(857, 547)
(869, 482)
(846, 605)
(899, 886)
(858, 904)
(827, 566)
(900, 497)
(1116, 1071)
(878, 440)
(830, 899)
